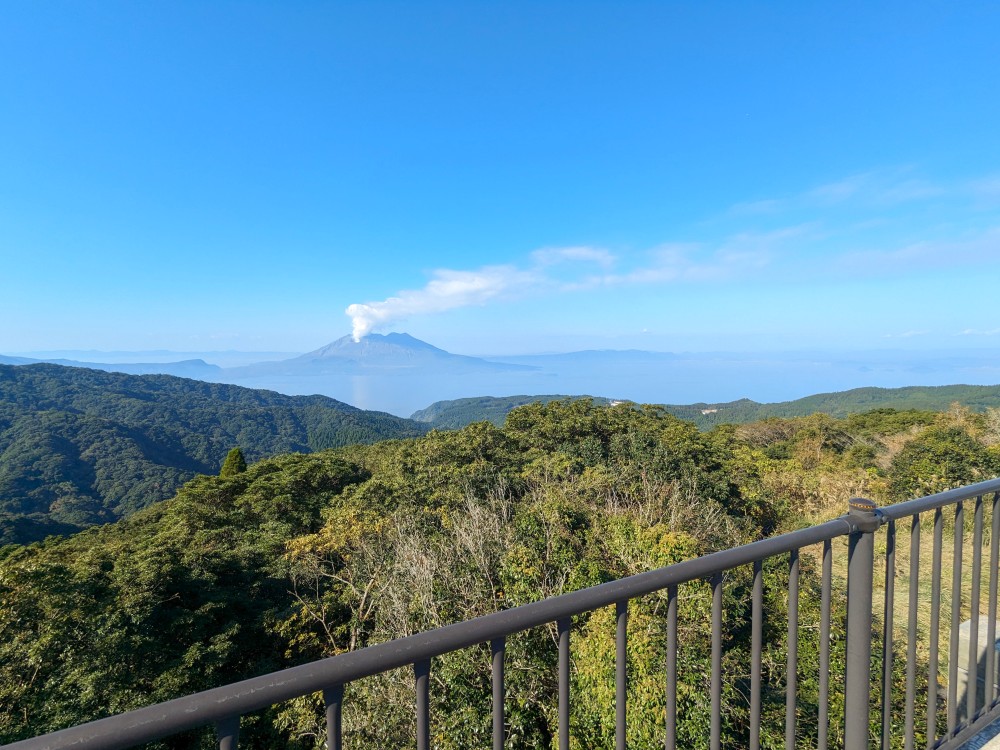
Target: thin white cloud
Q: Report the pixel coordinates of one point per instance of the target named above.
(669, 263)
(905, 334)
(906, 191)
(550, 256)
(976, 249)
(850, 228)
(986, 192)
(872, 190)
(759, 208)
(735, 257)
(978, 332)
(763, 243)
(839, 191)
(687, 262)
(884, 221)
(883, 188)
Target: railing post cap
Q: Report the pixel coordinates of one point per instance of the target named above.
(861, 506)
(865, 514)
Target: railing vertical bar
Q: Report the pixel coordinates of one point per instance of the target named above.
(888, 625)
(935, 632)
(715, 734)
(911, 642)
(228, 733)
(621, 673)
(333, 699)
(498, 649)
(972, 697)
(823, 719)
(956, 618)
(991, 612)
(421, 673)
(670, 738)
(858, 651)
(792, 664)
(563, 626)
(756, 650)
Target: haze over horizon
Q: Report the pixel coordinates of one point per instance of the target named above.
(399, 374)
(499, 179)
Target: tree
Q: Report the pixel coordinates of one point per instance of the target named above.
(938, 459)
(234, 464)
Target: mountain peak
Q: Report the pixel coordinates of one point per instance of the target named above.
(402, 339)
(391, 352)
(375, 345)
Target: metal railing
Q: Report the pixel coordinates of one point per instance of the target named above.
(223, 707)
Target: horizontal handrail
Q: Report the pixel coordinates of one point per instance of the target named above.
(918, 505)
(209, 706)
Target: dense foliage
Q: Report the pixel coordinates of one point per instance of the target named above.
(80, 447)
(304, 556)
(457, 413)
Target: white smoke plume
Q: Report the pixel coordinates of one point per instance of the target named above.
(446, 291)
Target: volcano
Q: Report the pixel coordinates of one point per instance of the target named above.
(378, 354)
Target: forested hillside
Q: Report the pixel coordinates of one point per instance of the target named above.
(460, 412)
(304, 556)
(457, 413)
(81, 447)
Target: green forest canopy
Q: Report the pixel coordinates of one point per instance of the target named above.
(304, 556)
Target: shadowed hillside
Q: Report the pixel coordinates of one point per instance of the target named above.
(80, 447)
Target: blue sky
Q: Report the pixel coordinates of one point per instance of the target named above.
(499, 177)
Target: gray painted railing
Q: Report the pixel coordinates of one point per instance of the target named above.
(223, 706)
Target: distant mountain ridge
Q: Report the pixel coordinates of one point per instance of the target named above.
(457, 413)
(83, 446)
(190, 368)
(391, 351)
